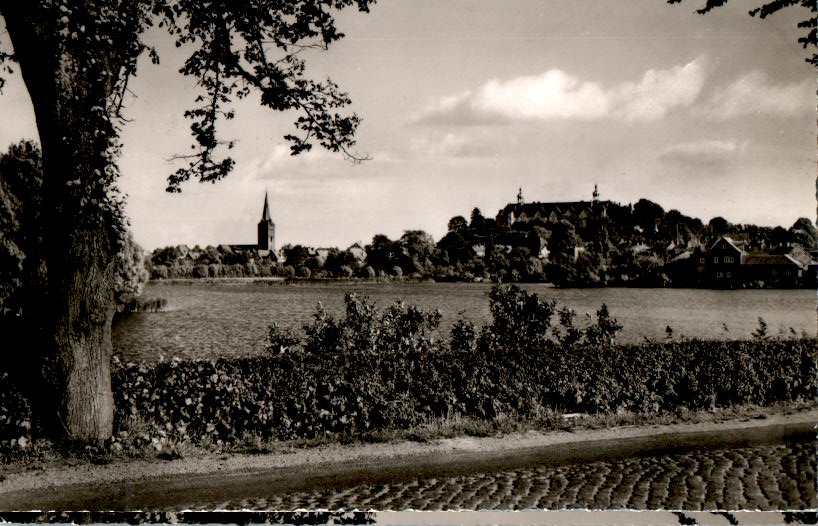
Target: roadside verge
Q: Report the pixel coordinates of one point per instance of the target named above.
(155, 484)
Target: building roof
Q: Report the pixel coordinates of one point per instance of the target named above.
(729, 241)
(771, 259)
(544, 210)
(265, 212)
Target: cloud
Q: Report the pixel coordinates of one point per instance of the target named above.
(552, 95)
(279, 161)
(453, 145)
(703, 154)
(660, 91)
(556, 95)
(317, 164)
(756, 94)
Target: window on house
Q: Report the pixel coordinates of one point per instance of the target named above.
(729, 274)
(701, 261)
(729, 259)
(716, 259)
(718, 274)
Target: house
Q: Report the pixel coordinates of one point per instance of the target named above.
(322, 253)
(729, 264)
(722, 263)
(358, 253)
(776, 270)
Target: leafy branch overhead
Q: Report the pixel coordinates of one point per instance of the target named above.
(237, 48)
(246, 46)
(257, 45)
(809, 40)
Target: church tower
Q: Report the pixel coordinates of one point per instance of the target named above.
(266, 229)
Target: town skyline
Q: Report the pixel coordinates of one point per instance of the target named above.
(486, 213)
(711, 115)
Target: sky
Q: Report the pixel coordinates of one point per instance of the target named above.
(465, 101)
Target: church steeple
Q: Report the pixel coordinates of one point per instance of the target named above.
(265, 212)
(266, 228)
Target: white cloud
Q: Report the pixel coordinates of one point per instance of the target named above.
(555, 94)
(552, 95)
(755, 94)
(660, 91)
(280, 159)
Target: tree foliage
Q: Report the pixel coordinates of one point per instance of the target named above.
(237, 48)
(76, 59)
(22, 271)
(809, 26)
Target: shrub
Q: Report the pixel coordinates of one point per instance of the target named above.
(373, 370)
(15, 420)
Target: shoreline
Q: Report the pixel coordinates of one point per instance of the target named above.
(280, 280)
(294, 468)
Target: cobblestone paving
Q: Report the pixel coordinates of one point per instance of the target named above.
(770, 477)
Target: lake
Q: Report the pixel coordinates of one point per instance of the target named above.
(206, 320)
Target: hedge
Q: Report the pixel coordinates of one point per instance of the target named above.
(374, 370)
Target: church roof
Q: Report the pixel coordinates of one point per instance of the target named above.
(544, 210)
(265, 212)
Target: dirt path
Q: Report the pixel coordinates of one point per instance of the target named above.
(212, 480)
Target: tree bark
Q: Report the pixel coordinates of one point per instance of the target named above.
(80, 239)
(82, 297)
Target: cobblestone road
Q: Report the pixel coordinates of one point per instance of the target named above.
(768, 477)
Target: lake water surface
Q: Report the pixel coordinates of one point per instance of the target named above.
(207, 320)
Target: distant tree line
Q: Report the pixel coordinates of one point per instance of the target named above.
(614, 245)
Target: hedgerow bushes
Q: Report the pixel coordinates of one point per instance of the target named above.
(371, 370)
(374, 370)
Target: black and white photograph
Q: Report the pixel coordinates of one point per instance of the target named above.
(347, 261)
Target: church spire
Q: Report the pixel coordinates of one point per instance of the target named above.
(266, 228)
(265, 213)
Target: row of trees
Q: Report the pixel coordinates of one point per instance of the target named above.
(614, 245)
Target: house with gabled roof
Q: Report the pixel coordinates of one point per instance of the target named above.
(728, 264)
(773, 270)
(722, 263)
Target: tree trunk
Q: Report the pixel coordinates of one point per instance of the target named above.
(83, 306)
(80, 234)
